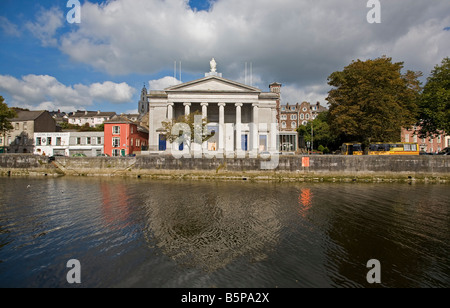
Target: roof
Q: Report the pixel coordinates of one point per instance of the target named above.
(122, 119)
(23, 115)
(90, 114)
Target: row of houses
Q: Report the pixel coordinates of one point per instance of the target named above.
(37, 132)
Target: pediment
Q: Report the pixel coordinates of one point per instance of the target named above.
(213, 84)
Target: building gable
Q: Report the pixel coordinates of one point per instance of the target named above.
(213, 84)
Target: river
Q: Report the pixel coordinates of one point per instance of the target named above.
(207, 234)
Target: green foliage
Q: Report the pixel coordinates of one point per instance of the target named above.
(435, 101)
(6, 113)
(84, 128)
(372, 100)
(195, 133)
(320, 129)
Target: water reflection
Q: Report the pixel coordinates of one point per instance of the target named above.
(305, 201)
(209, 225)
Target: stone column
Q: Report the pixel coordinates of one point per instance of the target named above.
(204, 115)
(274, 132)
(170, 111)
(255, 137)
(238, 128)
(187, 108)
(204, 110)
(221, 141)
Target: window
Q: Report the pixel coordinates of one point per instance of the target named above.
(138, 142)
(25, 125)
(58, 140)
(304, 109)
(283, 108)
(38, 141)
(293, 124)
(116, 130)
(115, 152)
(304, 123)
(49, 140)
(78, 140)
(283, 124)
(131, 142)
(116, 142)
(17, 126)
(132, 130)
(307, 116)
(302, 116)
(415, 138)
(293, 117)
(406, 137)
(88, 140)
(99, 140)
(1, 140)
(283, 117)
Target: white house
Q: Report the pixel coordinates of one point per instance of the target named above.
(93, 118)
(243, 117)
(69, 143)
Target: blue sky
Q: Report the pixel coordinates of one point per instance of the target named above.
(120, 45)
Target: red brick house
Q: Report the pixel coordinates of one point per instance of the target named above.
(430, 144)
(124, 137)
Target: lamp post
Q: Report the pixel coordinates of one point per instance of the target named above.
(312, 128)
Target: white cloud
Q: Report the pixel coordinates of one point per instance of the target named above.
(298, 43)
(8, 27)
(46, 26)
(162, 83)
(46, 92)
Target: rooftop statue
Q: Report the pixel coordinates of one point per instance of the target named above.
(213, 65)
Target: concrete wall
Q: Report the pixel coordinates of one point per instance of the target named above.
(289, 167)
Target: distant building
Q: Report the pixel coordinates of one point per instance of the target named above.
(292, 116)
(430, 144)
(93, 118)
(21, 138)
(69, 143)
(124, 137)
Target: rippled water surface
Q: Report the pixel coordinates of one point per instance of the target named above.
(139, 233)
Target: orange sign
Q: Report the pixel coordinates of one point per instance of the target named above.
(305, 161)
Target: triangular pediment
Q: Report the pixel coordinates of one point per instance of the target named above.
(213, 84)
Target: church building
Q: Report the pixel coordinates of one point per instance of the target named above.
(243, 118)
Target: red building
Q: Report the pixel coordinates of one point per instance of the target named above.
(124, 137)
(430, 144)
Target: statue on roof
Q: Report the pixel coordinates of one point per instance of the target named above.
(213, 65)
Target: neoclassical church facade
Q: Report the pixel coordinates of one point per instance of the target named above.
(243, 117)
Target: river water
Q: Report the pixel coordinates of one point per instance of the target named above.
(183, 234)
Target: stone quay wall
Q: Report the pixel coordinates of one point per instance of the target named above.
(288, 168)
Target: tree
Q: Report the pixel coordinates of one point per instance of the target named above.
(320, 129)
(434, 116)
(372, 100)
(191, 129)
(6, 114)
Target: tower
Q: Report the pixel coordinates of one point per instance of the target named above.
(275, 87)
(143, 102)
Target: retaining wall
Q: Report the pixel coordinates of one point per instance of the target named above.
(287, 167)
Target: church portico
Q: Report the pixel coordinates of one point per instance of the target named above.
(242, 117)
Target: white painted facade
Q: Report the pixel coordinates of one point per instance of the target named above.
(69, 143)
(243, 117)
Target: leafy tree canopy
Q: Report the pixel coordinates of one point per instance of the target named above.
(372, 100)
(434, 114)
(6, 113)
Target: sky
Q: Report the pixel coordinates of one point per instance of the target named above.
(49, 62)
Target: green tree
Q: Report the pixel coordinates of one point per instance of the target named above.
(191, 128)
(434, 106)
(320, 130)
(6, 113)
(372, 100)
